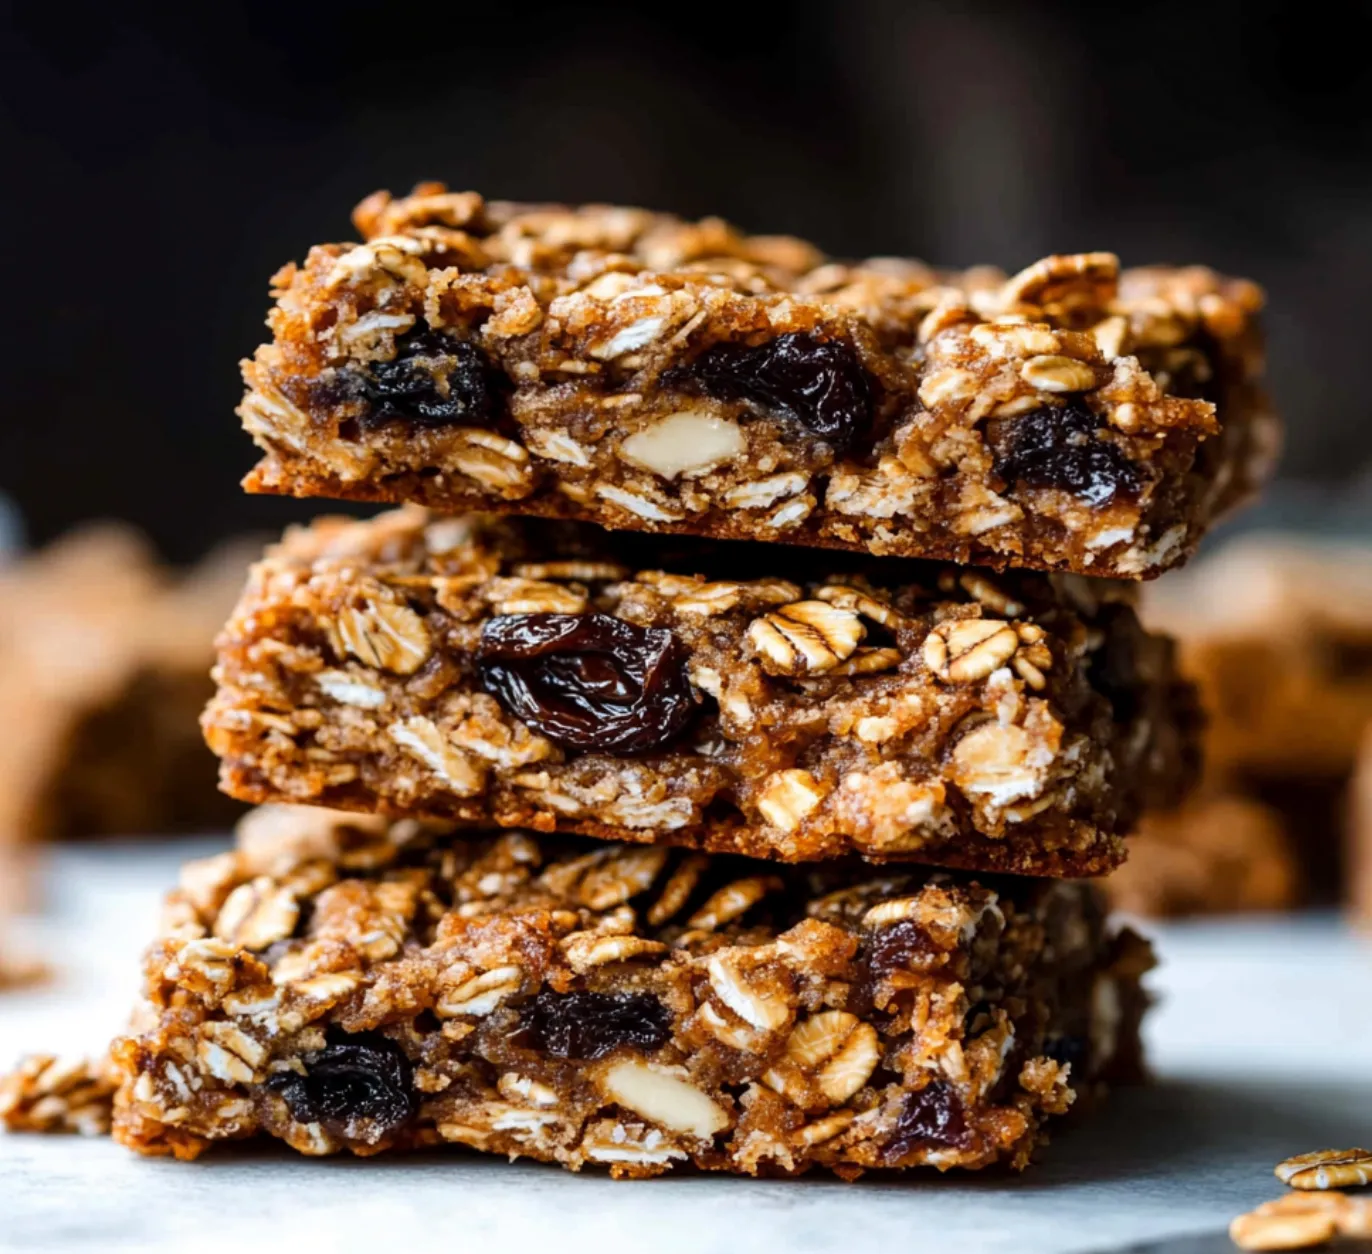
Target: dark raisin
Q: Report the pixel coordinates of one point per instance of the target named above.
(588, 681)
(433, 381)
(819, 384)
(898, 947)
(358, 1085)
(1058, 446)
(933, 1116)
(1066, 1049)
(586, 1026)
(902, 946)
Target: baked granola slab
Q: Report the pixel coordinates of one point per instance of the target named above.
(1219, 853)
(345, 984)
(533, 674)
(104, 655)
(634, 370)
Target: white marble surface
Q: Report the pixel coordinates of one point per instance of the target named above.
(1263, 1045)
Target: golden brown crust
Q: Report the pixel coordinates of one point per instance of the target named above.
(591, 319)
(615, 1006)
(897, 710)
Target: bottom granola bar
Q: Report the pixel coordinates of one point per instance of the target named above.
(347, 984)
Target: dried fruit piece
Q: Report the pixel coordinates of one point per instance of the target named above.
(433, 381)
(359, 1085)
(586, 1026)
(934, 1115)
(588, 681)
(1058, 446)
(818, 384)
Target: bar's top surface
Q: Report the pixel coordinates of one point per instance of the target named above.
(641, 371)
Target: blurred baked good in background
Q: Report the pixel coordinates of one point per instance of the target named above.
(1276, 629)
(104, 664)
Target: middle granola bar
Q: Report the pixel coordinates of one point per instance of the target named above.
(537, 675)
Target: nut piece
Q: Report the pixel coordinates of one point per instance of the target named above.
(686, 443)
(805, 637)
(788, 796)
(663, 1096)
(385, 634)
(1326, 1169)
(967, 649)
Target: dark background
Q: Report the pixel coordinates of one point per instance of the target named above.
(158, 168)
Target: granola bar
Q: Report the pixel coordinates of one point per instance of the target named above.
(533, 674)
(103, 665)
(1221, 852)
(634, 370)
(1276, 631)
(347, 985)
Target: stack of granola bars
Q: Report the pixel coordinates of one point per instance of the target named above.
(725, 792)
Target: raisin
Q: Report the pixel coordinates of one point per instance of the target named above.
(588, 681)
(360, 1078)
(1058, 447)
(587, 1026)
(933, 1116)
(899, 947)
(818, 384)
(433, 381)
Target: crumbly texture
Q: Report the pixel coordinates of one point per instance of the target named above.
(345, 985)
(1219, 853)
(939, 715)
(46, 1093)
(104, 659)
(634, 370)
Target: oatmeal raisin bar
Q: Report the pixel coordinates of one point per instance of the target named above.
(534, 674)
(348, 985)
(642, 372)
(104, 656)
(1219, 853)
(1276, 632)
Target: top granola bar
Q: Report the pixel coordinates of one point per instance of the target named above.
(638, 371)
